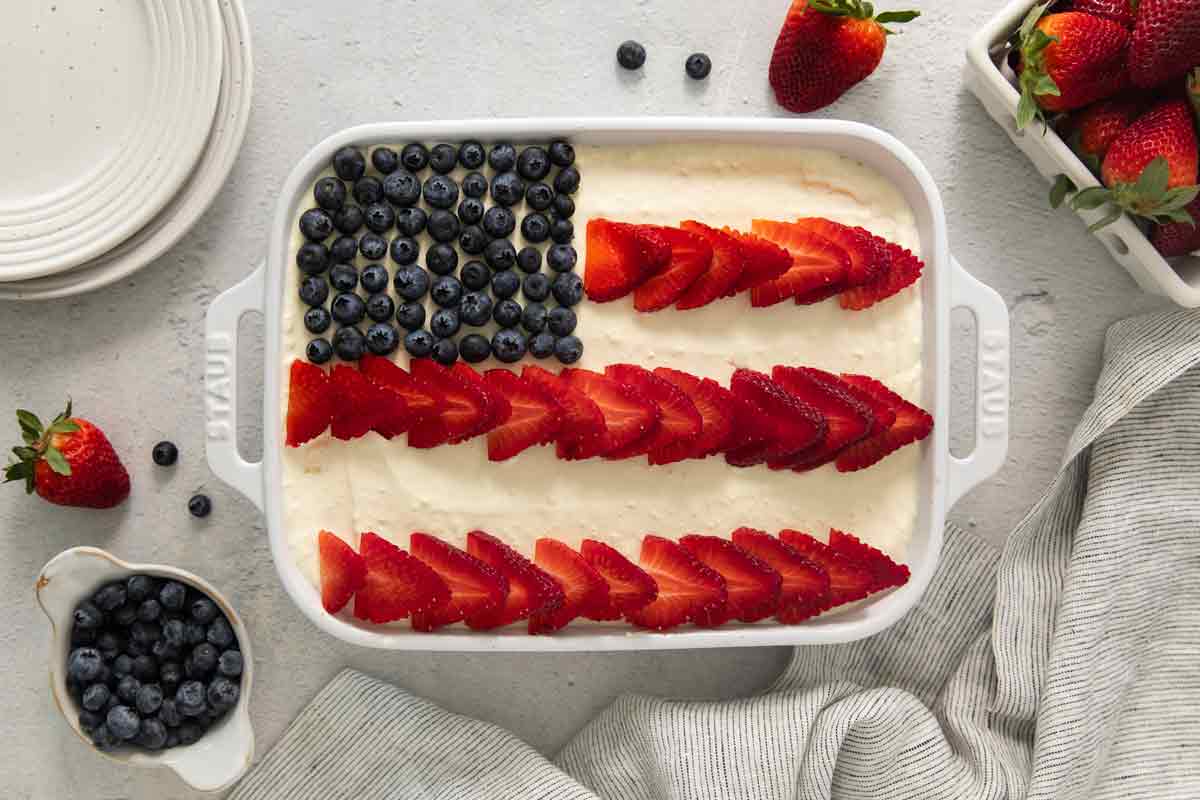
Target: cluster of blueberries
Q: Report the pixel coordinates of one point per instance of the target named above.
(153, 663)
(395, 206)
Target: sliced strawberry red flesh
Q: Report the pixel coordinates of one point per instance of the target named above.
(582, 433)
(716, 407)
(419, 397)
(903, 269)
(396, 584)
(358, 404)
(310, 403)
(534, 416)
(868, 256)
(628, 415)
(620, 257)
(691, 256)
(753, 584)
(476, 589)
(912, 424)
(848, 418)
(804, 588)
(887, 572)
(688, 591)
(466, 411)
(679, 422)
(817, 264)
(343, 571)
(764, 261)
(530, 589)
(848, 581)
(793, 426)
(629, 586)
(723, 273)
(585, 592)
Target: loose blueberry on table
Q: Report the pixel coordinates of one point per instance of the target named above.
(165, 454)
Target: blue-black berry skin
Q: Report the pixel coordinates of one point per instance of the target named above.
(222, 693)
(385, 159)
(411, 221)
(349, 164)
(88, 617)
(442, 259)
(149, 610)
(375, 278)
(200, 505)
(414, 156)
(380, 307)
(539, 196)
(125, 615)
(474, 184)
(145, 668)
(382, 339)
(170, 674)
(330, 193)
(368, 190)
(542, 345)
(193, 632)
(507, 313)
(500, 254)
(108, 643)
(316, 225)
(230, 664)
(109, 596)
(470, 211)
(173, 633)
(122, 665)
(127, 688)
(446, 291)
(561, 321)
(508, 189)
(474, 275)
(168, 712)
(631, 55)
(190, 698)
(348, 308)
(568, 349)
(124, 722)
(343, 249)
(349, 343)
(562, 231)
(473, 240)
(443, 158)
(152, 734)
(319, 351)
(567, 289)
(529, 260)
(402, 188)
(562, 258)
(90, 720)
(536, 228)
(474, 348)
(419, 343)
(373, 246)
(499, 222)
(314, 290)
(567, 180)
(534, 163)
(139, 587)
(440, 191)
(564, 206)
(312, 258)
(149, 698)
(343, 277)
(220, 634)
(562, 154)
(505, 284)
(204, 658)
(405, 250)
(203, 610)
(444, 225)
(379, 217)
(348, 219)
(166, 453)
(411, 282)
(445, 352)
(444, 323)
(533, 318)
(410, 316)
(476, 309)
(471, 154)
(502, 157)
(698, 66)
(536, 287)
(189, 733)
(508, 345)
(95, 697)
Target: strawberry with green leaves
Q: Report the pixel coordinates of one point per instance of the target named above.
(1092, 130)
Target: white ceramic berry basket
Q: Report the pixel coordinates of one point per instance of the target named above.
(946, 286)
(989, 79)
(225, 752)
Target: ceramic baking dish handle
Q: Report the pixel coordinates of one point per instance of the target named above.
(991, 385)
(220, 386)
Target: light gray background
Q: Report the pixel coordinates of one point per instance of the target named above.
(132, 357)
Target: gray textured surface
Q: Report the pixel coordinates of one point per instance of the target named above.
(131, 355)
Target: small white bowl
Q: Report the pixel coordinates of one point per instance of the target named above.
(225, 751)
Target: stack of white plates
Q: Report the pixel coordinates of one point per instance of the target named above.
(122, 121)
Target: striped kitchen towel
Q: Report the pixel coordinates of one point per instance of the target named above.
(1065, 668)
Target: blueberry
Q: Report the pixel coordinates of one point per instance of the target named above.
(536, 287)
(223, 693)
(539, 196)
(373, 246)
(172, 740)
(343, 277)
(165, 652)
(145, 668)
(446, 291)
(411, 282)
(149, 610)
(402, 188)
(405, 250)
(419, 343)
(475, 276)
(500, 254)
(149, 698)
(473, 240)
(349, 163)
(382, 339)
(109, 644)
(499, 222)
(170, 674)
(474, 185)
(203, 610)
(502, 157)
(110, 596)
(348, 308)
(135, 648)
(343, 249)
(375, 278)
(139, 587)
(562, 231)
(508, 189)
(172, 632)
(189, 698)
(127, 688)
(348, 343)
(204, 658)
(144, 633)
(385, 160)
(316, 224)
(168, 712)
(330, 193)
(476, 309)
(508, 345)
(542, 345)
(90, 720)
(567, 289)
(414, 156)
(189, 733)
(507, 313)
(230, 663)
(380, 308)
(445, 352)
(529, 259)
(152, 734)
(568, 349)
(505, 284)
(631, 55)
(410, 316)
(567, 180)
(471, 154)
(442, 259)
(443, 225)
(103, 738)
(411, 221)
(314, 290)
(348, 219)
(123, 721)
(562, 321)
(82, 636)
(561, 257)
(312, 258)
(470, 211)
(564, 206)
(443, 157)
(536, 228)
(122, 666)
(533, 319)
(562, 154)
(698, 65)
(95, 697)
(444, 323)
(317, 320)
(440, 191)
(88, 617)
(474, 348)
(380, 217)
(368, 190)
(193, 632)
(533, 163)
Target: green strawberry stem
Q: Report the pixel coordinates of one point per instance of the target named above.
(38, 447)
(1034, 80)
(1149, 198)
(862, 9)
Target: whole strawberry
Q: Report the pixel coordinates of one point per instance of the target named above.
(1166, 41)
(825, 47)
(1179, 238)
(1068, 61)
(69, 462)
(1123, 12)
(1092, 130)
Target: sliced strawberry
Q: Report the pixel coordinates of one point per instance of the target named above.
(396, 584)
(628, 415)
(849, 419)
(465, 413)
(847, 580)
(751, 427)
(795, 426)
(817, 264)
(723, 273)
(629, 586)
(764, 261)
(620, 257)
(688, 591)
(679, 423)
(753, 584)
(804, 591)
(533, 420)
(419, 397)
(882, 410)
(476, 589)
(343, 572)
(582, 433)
(530, 589)
(886, 571)
(869, 257)
(393, 417)
(912, 425)
(903, 271)
(716, 406)
(691, 256)
(358, 404)
(310, 403)
(585, 592)
(498, 407)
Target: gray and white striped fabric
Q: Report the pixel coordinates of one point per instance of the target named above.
(1067, 667)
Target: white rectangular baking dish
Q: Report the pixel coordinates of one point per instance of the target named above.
(945, 286)
(986, 77)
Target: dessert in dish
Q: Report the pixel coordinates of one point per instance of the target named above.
(644, 377)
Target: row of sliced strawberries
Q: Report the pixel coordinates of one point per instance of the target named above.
(704, 580)
(797, 418)
(807, 261)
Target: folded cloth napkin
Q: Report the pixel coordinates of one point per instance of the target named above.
(1067, 667)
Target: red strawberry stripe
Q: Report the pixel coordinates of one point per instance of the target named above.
(723, 273)
(310, 403)
(688, 591)
(530, 589)
(620, 257)
(679, 423)
(753, 585)
(804, 591)
(628, 415)
(817, 264)
(466, 412)
(396, 584)
(498, 409)
(629, 586)
(849, 419)
(716, 407)
(476, 588)
(358, 404)
(343, 571)
(847, 580)
(419, 397)
(585, 591)
(763, 261)
(534, 416)
(868, 258)
(886, 571)
(795, 427)
(582, 433)
(912, 425)
(903, 270)
(691, 256)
